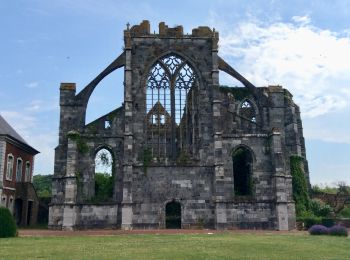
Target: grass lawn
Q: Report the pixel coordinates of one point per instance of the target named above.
(180, 246)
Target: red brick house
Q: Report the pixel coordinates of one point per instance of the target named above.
(17, 192)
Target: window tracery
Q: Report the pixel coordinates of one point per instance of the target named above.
(247, 111)
(169, 107)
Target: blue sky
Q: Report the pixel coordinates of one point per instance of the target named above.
(301, 45)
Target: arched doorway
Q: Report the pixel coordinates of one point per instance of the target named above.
(173, 215)
(242, 172)
(18, 211)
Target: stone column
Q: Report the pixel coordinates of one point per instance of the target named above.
(219, 190)
(128, 137)
(279, 178)
(69, 211)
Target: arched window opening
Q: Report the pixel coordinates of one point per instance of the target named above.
(173, 215)
(170, 107)
(106, 97)
(19, 170)
(104, 177)
(242, 172)
(247, 111)
(28, 173)
(9, 171)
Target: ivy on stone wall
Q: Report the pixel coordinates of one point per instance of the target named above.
(300, 190)
(82, 146)
(147, 159)
(237, 92)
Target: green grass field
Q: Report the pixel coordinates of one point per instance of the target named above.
(203, 246)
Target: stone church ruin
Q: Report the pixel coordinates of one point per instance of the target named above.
(186, 152)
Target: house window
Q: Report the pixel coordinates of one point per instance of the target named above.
(169, 107)
(19, 170)
(27, 173)
(9, 172)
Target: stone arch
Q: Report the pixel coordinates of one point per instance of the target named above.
(106, 97)
(254, 107)
(224, 66)
(84, 95)
(242, 165)
(188, 60)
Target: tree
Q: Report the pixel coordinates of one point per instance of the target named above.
(42, 185)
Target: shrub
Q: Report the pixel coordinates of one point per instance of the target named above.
(328, 222)
(8, 226)
(310, 221)
(103, 187)
(345, 212)
(318, 230)
(319, 208)
(338, 230)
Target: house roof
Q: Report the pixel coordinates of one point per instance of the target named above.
(7, 131)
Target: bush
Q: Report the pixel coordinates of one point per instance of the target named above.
(328, 222)
(8, 226)
(345, 212)
(338, 230)
(319, 208)
(318, 230)
(310, 221)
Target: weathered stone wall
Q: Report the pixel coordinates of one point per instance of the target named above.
(97, 216)
(204, 183)
(192, 186)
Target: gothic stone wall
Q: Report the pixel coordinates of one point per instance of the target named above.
(203, 187)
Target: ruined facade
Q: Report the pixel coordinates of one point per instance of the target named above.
(186, 151)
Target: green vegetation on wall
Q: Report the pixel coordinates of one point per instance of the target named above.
(82, 146)
(147, 159)
(300, 190)
(237, 92)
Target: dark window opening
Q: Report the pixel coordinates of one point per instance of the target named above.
(242, 172)
(29, 212)
(173, 215)
(18, 211)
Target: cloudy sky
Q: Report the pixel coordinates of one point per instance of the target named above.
(302, 45)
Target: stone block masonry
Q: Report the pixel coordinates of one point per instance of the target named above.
(187, 152)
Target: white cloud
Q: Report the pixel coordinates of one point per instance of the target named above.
(20, 122)
(30, 124)
(311, 62)
(45, 143)
(43, 106)
(33, 84)
(303, 20)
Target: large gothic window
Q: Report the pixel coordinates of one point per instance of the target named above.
(171, 86)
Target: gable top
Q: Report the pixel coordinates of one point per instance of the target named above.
(7, 130)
